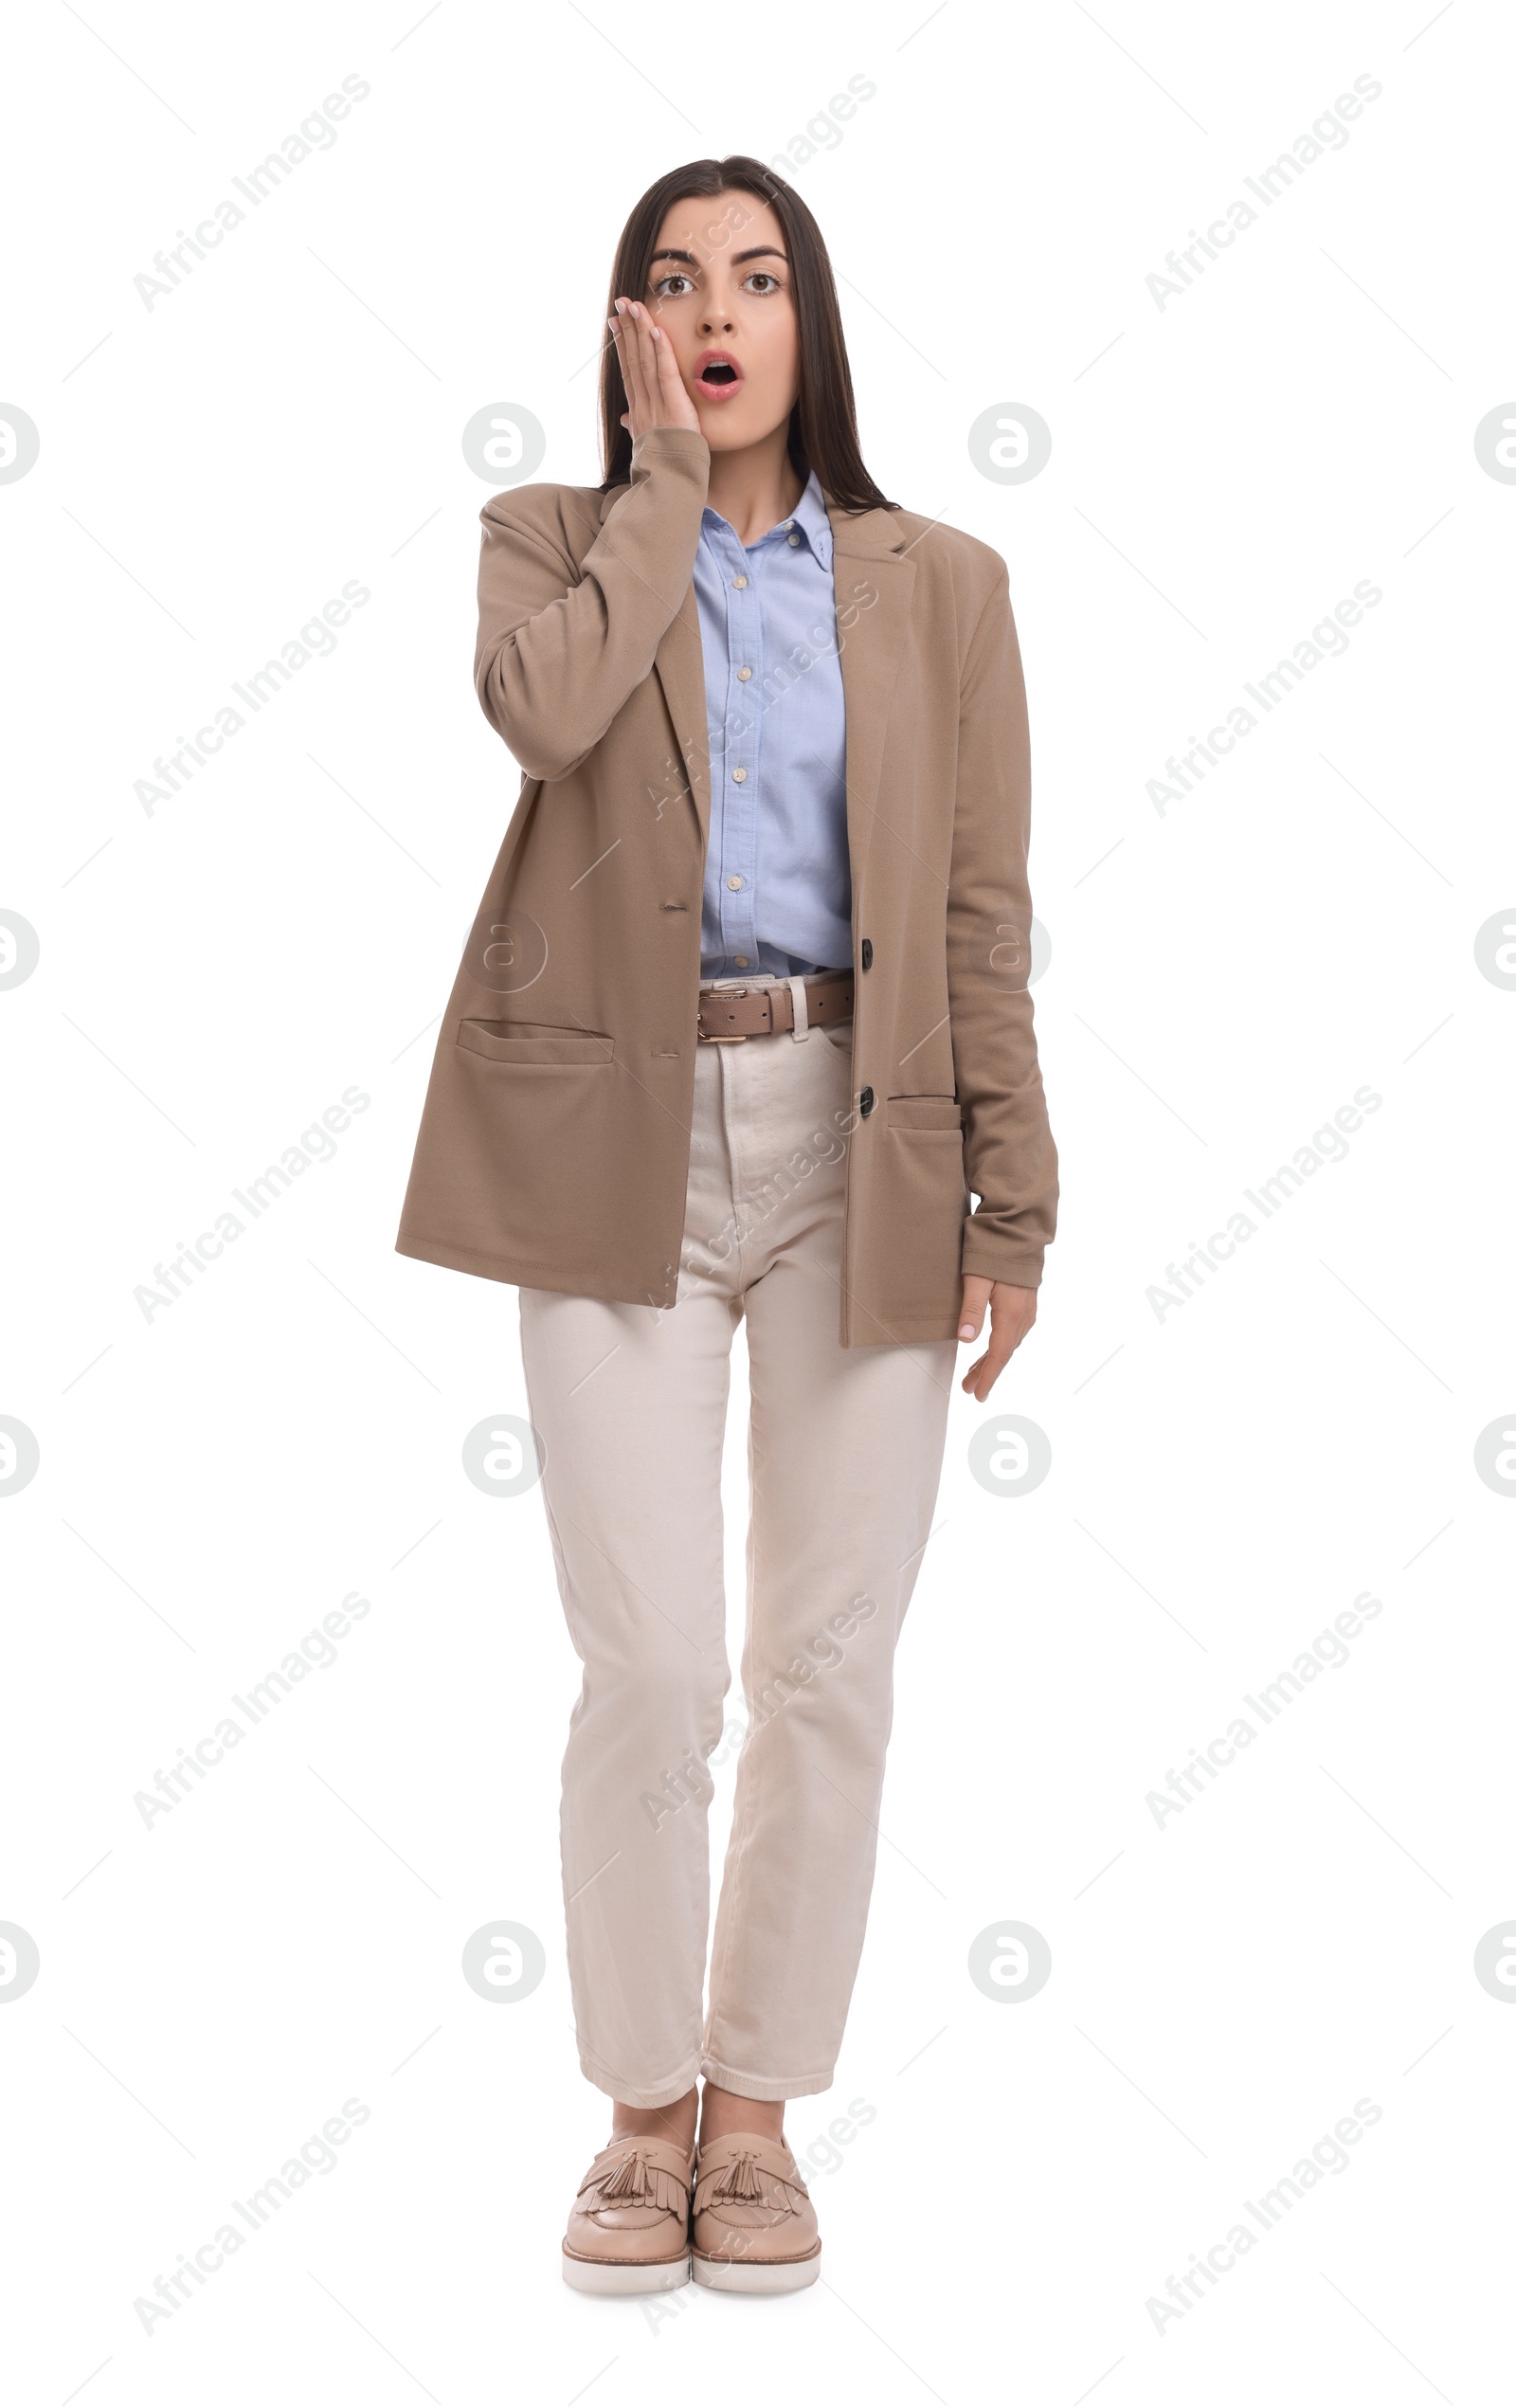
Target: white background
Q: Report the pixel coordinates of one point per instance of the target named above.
(1225, 1480)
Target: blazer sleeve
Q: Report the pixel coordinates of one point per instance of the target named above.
(562, 646)
(1009, 1159)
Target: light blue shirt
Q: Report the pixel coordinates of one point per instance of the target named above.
(778, 888)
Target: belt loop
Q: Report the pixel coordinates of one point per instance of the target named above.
(802, 1025)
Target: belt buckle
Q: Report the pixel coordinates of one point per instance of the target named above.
(709, 1038)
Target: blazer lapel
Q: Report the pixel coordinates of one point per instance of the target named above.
(873, 581)
(681, 665)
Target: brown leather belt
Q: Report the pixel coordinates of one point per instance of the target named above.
(728, 1016)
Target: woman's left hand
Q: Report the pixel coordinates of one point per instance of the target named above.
(1012, 1312)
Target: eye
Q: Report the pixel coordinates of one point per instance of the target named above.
(763, 282)
(664, 285)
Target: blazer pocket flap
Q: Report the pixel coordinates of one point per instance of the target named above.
(526, 1043)
(926, 1111)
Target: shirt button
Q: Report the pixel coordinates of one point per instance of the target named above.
(733, 881)
(739, 583)
(744, 675)
(741, 960)
(738, 776)
(866, 1102)
(794, 539)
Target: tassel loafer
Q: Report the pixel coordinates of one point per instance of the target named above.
(754, 2226)
(630, 2230)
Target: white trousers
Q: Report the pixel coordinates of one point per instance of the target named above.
(844, 1456)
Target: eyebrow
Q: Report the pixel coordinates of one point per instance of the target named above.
(687, 259)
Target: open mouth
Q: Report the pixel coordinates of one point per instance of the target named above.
(718, 372)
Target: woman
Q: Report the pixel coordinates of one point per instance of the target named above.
(743, 1021)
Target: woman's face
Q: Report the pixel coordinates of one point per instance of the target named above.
(719, 286)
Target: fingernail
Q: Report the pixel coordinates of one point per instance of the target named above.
(967, 1330)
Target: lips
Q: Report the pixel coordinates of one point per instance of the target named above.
(718, 375)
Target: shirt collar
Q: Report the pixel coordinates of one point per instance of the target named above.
(810, 520)
(813, 522)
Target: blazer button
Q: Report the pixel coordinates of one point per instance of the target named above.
(866, 1102)
(866, 954)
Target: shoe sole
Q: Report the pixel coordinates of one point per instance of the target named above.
(623, 2277)
(755, 2274)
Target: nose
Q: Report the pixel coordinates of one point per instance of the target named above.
(715, 318)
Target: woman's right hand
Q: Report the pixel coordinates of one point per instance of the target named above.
(654, 388)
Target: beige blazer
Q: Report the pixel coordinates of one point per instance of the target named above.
(555, 1145)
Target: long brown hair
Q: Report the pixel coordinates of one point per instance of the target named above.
(823, 429)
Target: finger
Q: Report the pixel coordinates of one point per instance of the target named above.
(999, 1352)
(615, 325)
(627, 353)
(1013, 1329)
(1004, 1342)
(632, 376)
(627, 338)
(983, 1375)
(647, 356)
(1004, 1337)
(671, 384)
(969, 1383)
(976, 1297)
